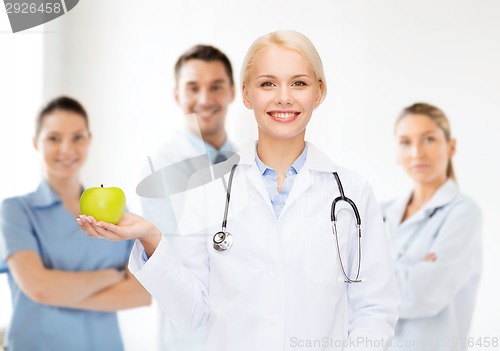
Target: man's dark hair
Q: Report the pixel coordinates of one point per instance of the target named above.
(205, 53)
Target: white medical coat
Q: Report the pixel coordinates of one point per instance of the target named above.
(437, 298)
(159, 211)
(279, 287)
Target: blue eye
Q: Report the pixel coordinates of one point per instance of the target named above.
(429, 139)
(299, 83)
(266, 84)
(404, 142)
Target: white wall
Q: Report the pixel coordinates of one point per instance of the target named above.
(20, 63)
(379, 56)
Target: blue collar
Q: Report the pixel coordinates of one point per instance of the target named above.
(204, 147)
(295, 167)
(44, 196)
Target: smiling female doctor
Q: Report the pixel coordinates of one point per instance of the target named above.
(435, 237)
(280, 285)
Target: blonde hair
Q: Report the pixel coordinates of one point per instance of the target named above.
(287, 39)
(439, 117)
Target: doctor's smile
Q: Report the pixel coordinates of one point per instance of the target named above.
(420, 167)
(284, 116)
(206, 114)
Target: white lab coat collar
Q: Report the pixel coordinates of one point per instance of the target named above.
(247, 155)
(315, 159)
(318, 161)
(443, 196)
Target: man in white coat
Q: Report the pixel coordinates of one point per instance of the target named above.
(204, 89)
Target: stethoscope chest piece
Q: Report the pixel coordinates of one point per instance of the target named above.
(222, 241)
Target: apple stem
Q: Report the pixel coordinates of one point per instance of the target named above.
(102, 186)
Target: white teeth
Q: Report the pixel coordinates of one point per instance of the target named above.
(66, 163)
(283, 115)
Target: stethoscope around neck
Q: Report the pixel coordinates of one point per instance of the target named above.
(223, 240)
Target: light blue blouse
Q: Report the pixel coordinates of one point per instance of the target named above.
(39, 222)
(270, 177)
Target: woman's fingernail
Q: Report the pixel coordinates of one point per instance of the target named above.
(88, 219)
(79, 221)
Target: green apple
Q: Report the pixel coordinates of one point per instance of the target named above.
(104, 204)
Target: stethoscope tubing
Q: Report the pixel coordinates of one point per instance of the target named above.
(223, 240)
(342, 197)
(228, 196)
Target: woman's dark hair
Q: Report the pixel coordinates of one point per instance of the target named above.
(64, 103)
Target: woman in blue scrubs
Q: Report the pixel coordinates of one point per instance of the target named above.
(66, 287)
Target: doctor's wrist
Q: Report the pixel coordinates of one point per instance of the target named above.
(151, 240)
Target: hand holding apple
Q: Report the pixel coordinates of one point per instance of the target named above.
(131, 226)
(104, 204)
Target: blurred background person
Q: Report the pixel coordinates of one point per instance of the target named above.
(435, 237)
(65, 286)
(204, 88)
